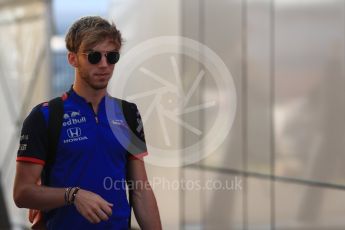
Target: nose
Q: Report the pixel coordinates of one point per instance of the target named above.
(103, 62)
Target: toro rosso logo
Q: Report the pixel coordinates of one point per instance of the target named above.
(71, 114)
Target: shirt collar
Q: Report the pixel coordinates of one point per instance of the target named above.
(73, 95)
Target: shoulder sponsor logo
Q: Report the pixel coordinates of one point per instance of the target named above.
(73, 118)
(119, 122)
(24, 137)
(74, 135)
(22, 147)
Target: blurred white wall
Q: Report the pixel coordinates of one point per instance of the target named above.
(24, 79)
(287, 62)
(138, 22)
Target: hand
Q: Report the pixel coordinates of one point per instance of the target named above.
(93, 207)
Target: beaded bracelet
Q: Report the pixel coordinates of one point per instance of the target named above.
(76, 189)
(67, 192)
(69, 195)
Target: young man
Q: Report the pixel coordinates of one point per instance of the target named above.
(89, 160)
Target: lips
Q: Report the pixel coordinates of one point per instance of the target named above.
(102, 74)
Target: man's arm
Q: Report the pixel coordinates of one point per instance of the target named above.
(143, 199)
(27, 194)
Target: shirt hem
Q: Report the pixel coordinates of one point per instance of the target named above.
(31, 160)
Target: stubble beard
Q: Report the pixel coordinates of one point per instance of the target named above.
(88, 80)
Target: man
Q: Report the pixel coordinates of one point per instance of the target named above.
(89, 156)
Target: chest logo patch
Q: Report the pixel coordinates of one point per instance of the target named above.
(74, 135)
(73, 118)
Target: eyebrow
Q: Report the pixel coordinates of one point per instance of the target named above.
(92, 50)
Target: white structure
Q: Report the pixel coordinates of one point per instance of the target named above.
(287, 62)
(24, 79)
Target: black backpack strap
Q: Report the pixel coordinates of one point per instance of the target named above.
(130, 119)
(55, 119)
(130, 208)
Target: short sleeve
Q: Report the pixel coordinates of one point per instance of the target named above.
(137, 147)
(33, 138)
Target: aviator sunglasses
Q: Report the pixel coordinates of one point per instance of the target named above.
(95, 57)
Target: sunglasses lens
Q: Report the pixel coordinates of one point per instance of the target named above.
(94, 57)
(113, 57)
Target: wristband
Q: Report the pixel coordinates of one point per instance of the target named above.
(69, 195)
(67, 191)
(76, 189)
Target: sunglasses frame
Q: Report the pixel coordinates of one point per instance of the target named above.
(89, 58)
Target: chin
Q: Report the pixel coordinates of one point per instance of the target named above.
(99, 86)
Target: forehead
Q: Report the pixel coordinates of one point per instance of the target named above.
(105, 45)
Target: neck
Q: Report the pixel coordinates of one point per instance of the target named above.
(94, 96)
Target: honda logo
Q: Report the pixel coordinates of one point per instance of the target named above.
(74, 132)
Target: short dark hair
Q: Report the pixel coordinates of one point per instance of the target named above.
(89, 31)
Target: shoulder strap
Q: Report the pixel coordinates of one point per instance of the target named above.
(129, 115)
(56, 110)
(54, 126)
(130, 122)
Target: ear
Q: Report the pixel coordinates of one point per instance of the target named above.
(72, 59)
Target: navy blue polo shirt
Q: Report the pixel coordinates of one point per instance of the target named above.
(92, 153)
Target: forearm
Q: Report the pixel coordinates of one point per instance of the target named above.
(146, 209)
(39, 197)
